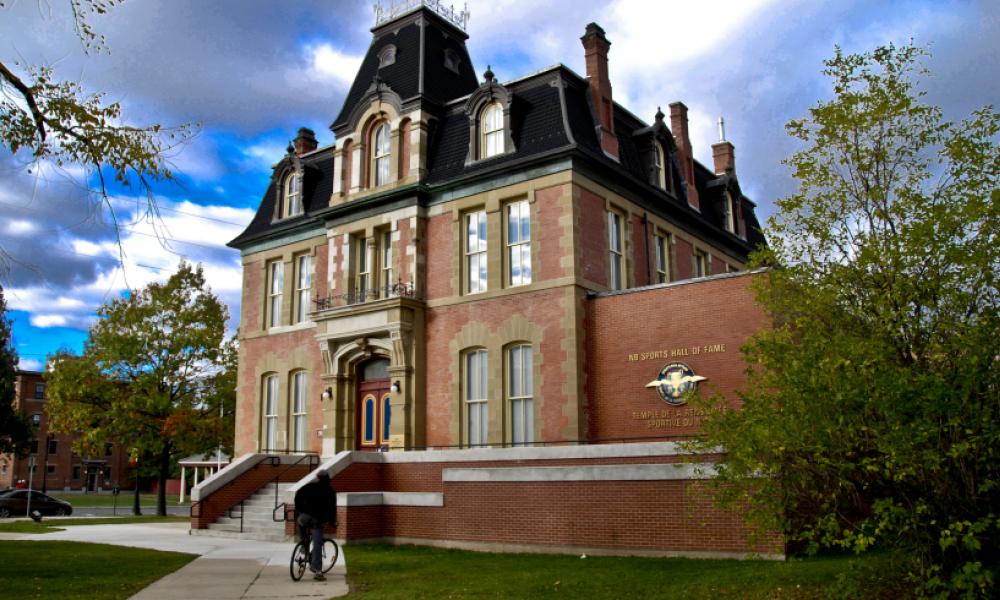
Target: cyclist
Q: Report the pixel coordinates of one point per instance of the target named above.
(316, 505)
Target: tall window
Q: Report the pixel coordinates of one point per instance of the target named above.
(616, 281)
(300, 383)
(363, 281)
(520, 390)
(270, 412)
(661, 245)
(658, 165)
(293, 195)
(276, 273)
(476, 405)
(492, 131)
(727, 210)
(39, 391)
(519, 243)
(303, 286)
(386, 256)
(381, 145)
(475, 251)
(700, 264)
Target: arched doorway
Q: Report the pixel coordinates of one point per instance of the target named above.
(372, 409)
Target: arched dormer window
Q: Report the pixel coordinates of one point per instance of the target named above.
(658, 164)
(291, 195)
(381, 145)
(492, 131)
(387, 56)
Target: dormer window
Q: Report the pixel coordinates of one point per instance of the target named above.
(727, 213)
(292, 196)
(381, 146)
(491, 126)
(451, 60)
(387, 56)
(658, 165)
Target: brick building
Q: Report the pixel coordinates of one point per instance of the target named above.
(57, 466)
(505, 288)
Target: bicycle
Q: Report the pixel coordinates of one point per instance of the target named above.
(300, 558)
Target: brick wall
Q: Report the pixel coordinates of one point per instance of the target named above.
(659, 516)
(220, 501)
(440, 248)
(702, 324)
(591, 236)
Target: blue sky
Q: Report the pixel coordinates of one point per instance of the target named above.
(251, 72)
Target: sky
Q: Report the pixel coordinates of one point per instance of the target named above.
(251, 72)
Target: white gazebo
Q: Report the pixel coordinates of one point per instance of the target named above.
(208, 464)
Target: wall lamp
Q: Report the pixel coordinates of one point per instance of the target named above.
(394, 388)
(327, 394)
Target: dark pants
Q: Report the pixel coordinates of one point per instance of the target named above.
(305, 522)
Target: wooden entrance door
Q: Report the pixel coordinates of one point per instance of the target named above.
(373, 414)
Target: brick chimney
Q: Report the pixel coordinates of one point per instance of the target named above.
(595, 52)
(679, 127)
(723, 152)
(305, 141)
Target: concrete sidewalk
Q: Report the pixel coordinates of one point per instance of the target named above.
(226, 569)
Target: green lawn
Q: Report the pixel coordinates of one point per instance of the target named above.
(107, 500)
(50, 525)
(77, 570)
(410, 572)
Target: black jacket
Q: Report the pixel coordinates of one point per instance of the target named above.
(318, 500)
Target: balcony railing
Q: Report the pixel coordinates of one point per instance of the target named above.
(395, 290)
(384, 13)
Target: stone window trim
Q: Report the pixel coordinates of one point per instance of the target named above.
(275, 279)
(304, 265)
(662, 256)
(298, 409)
(616, 234)
(292, 174)
(701, 263)
(475, 250)
(489, 94)
(269, 400)
(380, 153)
(387, 56)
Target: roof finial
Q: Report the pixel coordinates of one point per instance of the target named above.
(659, 114)
(488, 75)
(722, 129)
(291, 148)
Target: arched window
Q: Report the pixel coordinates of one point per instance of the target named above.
(520, 394)
(300, 385)
(381, 146)
(658, 166)
(476, 397)
(292, 195)
(491, 126)
(269, 439)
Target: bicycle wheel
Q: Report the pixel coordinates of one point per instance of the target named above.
(300, 559)
(330, 553)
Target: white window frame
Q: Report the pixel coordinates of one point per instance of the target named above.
(381, 154)
(699, 267)
(269, 436)
(659, 163)
(520, 394)
(300, 388)
(518, 223)
(363, 277)
(661, 246)
(492, 132)
(475, 246)
(292, 189)
(276, 286)
(385, 255)
(475, 396)
(616, 251)
(303, 286)
(728, 218)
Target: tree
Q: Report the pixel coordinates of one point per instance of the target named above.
(155, 374)
(871, 417)
(58, 121)
(16, 431)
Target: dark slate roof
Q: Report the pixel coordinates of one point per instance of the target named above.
(440, 84)
(539, 121)
(317, 187)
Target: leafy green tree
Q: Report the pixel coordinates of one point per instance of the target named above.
(872, 413)
(58, 121)
(16, 431)
(156, 374)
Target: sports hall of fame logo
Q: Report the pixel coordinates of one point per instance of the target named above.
(674, 382)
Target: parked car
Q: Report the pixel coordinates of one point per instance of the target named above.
(14, 503)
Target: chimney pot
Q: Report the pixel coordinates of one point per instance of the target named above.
(595, 52)
(305, 141)
(679, 127)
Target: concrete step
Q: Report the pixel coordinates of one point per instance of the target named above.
(247, 535)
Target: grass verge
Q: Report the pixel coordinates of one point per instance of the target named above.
(411, 572)
(68, 570)
(106, 500)
(48, 526)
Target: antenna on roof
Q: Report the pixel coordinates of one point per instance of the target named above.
(722, 129)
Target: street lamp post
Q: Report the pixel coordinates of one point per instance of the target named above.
(134, 463)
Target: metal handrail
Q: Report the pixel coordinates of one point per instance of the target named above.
(311, 458)
(230, 512)
(395, 290)
(275, 461)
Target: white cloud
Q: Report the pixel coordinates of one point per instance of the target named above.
(20, 227)
(49, 320)
(29, 364)
(326, 63)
